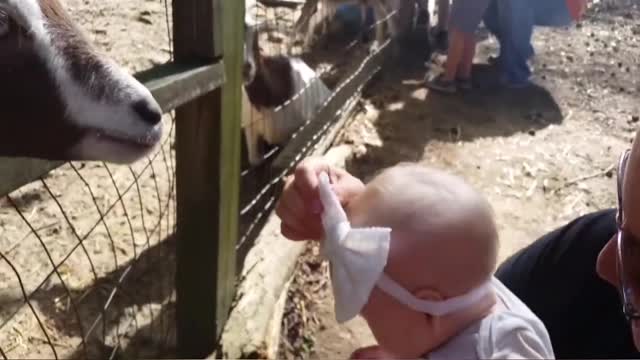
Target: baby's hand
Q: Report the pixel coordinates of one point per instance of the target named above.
(371, 352)
(299, 206)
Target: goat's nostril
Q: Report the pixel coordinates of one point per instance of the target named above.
(149, 111)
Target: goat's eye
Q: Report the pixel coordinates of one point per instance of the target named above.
(4, 23)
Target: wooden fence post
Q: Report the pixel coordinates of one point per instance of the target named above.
(208, 174)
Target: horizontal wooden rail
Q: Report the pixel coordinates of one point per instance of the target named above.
(171, 84)
(292, 4)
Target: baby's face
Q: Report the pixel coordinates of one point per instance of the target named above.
(429, 264)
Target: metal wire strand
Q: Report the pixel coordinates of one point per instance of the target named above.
(79, 243)
(33, 310)
(55, 269)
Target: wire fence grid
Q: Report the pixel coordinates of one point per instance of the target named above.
(87, 268)
(87, 252)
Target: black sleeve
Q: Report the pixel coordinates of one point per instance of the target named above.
(556, 277)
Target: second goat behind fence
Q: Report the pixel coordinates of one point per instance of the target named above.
(284, 92)
(316, 12)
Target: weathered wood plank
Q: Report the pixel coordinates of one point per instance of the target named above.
(16, 172)
(174, 84)
(231, 142)
(208, 175)
(197, 20)
(292, 4)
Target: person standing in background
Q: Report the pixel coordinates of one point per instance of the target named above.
(512, 23)
(466, 16)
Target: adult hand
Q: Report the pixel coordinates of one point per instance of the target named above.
(299, 206)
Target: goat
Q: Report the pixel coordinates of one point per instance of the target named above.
(62, 100)
(315, 12)
(284, 91)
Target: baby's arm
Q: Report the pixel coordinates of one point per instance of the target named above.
(513, 337)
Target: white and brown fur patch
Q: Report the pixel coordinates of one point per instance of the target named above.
(280, 95)
(60, 99)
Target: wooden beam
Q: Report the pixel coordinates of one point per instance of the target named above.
(174, 84)
(17, 172)
(208, 174)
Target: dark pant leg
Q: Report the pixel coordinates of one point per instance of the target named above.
(516, 24)
(555, 276)
(491, 19)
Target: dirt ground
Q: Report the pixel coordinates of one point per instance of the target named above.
(542, 155)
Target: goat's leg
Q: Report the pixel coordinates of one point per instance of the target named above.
(381, 13)
(364, 29)
(306, 24)
(309, 8)
(252, 124)
(392, 20)
(253, 144)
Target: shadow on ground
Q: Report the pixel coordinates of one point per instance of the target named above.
(135, 321)
(410, 117)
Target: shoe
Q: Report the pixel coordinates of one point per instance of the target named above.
(464, 84)
(441, 85)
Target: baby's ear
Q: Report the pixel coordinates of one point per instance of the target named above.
(433, 321)
(428, 294)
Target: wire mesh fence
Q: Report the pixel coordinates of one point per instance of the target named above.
(87, 266)
(310, 63)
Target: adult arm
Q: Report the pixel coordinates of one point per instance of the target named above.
(556, 278)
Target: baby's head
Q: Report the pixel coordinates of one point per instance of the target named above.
(443, 244)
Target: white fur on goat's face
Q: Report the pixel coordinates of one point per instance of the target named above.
(52, 81)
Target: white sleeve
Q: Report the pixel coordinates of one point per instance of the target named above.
(510, 336)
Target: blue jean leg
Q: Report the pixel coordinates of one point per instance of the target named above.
(515, 20)
(491, 19)
(551, 13)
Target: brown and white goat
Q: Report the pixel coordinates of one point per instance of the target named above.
(60, 99)
(280, 95)
(316, 12)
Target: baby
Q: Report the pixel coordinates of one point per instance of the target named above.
(435, 296)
